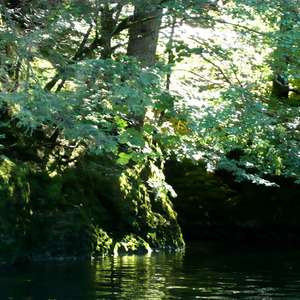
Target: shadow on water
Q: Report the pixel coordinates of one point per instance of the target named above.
(204, 271)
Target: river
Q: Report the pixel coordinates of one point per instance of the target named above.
(204, 271)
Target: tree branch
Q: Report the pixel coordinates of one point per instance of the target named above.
(218, 68)
(77, 56)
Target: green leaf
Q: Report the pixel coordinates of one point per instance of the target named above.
(124, 158)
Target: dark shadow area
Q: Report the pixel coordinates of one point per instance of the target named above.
(215, 207)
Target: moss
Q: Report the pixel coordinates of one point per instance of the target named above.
(14, 185)
(122, 202)
(15, 210)
(6, 167)
(92, 209)
(154, 218)
(103, 242)
(132, 244)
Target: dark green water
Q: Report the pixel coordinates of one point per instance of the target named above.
(202, 272)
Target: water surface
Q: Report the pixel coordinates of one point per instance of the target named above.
(202, 272)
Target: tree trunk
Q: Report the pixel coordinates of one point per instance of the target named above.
(289, 16)
(170, 53)
(280, 84)
(107, 27)
(144, 33)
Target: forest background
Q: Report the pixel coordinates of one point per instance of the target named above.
(96, 96)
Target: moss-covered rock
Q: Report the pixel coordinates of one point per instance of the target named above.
(15, 211)
(132, 244)
(92, 209)
(150, 208)
(102, 242)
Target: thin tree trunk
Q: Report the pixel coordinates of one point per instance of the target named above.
(171, 57)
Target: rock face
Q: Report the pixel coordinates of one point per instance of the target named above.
(95, 208)
(215, 207)
(14, 205)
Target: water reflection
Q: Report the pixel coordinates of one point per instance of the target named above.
(135, 277)
(203, 272)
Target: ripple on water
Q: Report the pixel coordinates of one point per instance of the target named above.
(219, 275)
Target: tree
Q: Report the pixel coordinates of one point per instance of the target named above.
(144, 32)
(282, 54)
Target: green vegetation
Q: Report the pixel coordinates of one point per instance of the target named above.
(96, 96)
